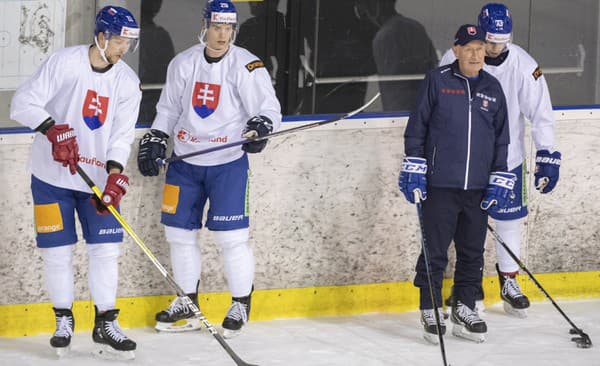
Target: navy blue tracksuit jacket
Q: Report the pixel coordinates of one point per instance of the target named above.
(462, 133)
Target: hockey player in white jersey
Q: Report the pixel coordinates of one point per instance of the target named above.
(215, 93)
(528, 98)
(84, 103)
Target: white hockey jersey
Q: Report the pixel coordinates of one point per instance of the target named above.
(206, 104)
(102, 108)
(527, 97)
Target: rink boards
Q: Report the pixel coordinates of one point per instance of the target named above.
(330, 231)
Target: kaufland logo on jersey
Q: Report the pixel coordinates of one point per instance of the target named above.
(94, 109)
(205, 98)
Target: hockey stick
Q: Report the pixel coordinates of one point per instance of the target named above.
(429, 280)
(170, 280)
(583, 341)
(274, 134)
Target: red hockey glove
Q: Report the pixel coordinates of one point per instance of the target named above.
(116, 187)
(64, 146)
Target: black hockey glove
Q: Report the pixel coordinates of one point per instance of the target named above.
(256, 126)
(152, 146)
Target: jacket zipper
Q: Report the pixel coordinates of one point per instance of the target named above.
(468, 133)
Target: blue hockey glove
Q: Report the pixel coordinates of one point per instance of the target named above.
(257, 126)
(546, 170)
(413, 178)
(499, 190)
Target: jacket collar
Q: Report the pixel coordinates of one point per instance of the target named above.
(456, 70)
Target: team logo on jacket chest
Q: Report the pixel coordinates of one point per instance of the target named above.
(94, 109)
(485, 101)
(205, 98)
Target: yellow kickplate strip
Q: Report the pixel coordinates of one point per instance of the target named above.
(30, 319)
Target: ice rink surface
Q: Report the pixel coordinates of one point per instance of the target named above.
(372, 339)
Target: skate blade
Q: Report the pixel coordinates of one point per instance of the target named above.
(229, 333)
(62, 351)
(431, 338)
(462, 332)
(106, 352)
(519, 313)
(187, 326)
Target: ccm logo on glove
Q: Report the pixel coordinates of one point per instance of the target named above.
(502, 181)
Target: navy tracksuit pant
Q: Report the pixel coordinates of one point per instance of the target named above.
(450, 213)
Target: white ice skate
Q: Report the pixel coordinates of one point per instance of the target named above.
(467, 323)
(237, 316)
(430, 325)
(479, 305)
(178, 317)
(61, 339)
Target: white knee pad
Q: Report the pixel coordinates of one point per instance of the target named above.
(58, 275)
(186, 257)
(238, 260)
(510, 233)
(103, 275)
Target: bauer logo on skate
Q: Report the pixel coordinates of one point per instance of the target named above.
(94, 110)
(205, 98)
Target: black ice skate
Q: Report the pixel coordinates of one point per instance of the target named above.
(237, 316)
(178, 317)
(112, 342)
(467, 323)
(430, 325)
(515, 303)
(65, 325)
(479, 305)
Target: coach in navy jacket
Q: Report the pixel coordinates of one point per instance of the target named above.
(456, 145)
